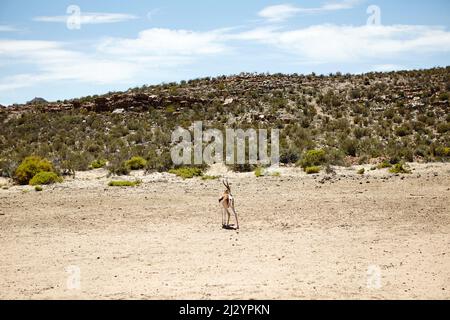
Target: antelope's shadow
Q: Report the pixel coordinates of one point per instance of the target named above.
(229, 227)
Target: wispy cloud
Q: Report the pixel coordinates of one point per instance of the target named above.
(90, 18)
(339, 5)
(278, 13)
(111, 60)
(346, 44)
(53, 61)
(160, 42)
(7, 28)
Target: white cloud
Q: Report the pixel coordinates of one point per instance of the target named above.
(90, 18)
(339, 5)
(53, 61)
(336, 44)
(387, 67)
(161, 42)
(21, 81)
(278, 13)
(160, 51)
(111, 61)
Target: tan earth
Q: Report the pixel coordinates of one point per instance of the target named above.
(376, 236)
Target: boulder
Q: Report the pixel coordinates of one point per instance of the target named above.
(101, 104)
(118, 111)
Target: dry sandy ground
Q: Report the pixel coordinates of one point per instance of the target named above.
(299, 238)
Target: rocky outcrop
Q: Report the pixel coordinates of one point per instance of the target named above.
(415, 90)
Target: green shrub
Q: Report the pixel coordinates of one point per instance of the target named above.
(119, 168)
(289, 156)
(259, 172)
(77, 160)
(443, 127)
(97, 164)
(421, 151)
(383, 165)
(442, 152)
(399, 168)
(187, 172)
(117, 165)
(38, 188)
(45, 177)
(361, 171)
(158, 162)
(7, 168)
(444, 96)
(275, 174)
(170, 109)
(124, 183)
(136, 163)
(313, 158)
(312, 170)
(350, 147)
(403, 131)
(31, 166)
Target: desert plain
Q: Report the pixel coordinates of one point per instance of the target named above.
(338, 236)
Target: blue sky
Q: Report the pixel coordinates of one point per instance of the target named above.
(65, 49)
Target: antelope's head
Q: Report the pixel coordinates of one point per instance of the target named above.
(227, 185)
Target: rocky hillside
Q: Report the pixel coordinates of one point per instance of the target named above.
(354, 118)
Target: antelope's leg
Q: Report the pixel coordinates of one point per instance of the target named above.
(223, 216)
(235, 215)
(228, 212)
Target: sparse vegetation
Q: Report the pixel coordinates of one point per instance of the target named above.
(327, 120)
(442, 152)
(313, 158)
(118, 168)
(38, 188)
(361, 171)
(30, 167)
(124, 183)
(136, 163)
(399, 168)
(187, 172)
(45, 177)
(312, 170)
(97, 164)
(384, 165)
(259, 172)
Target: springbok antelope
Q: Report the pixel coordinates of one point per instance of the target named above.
(227, 202)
